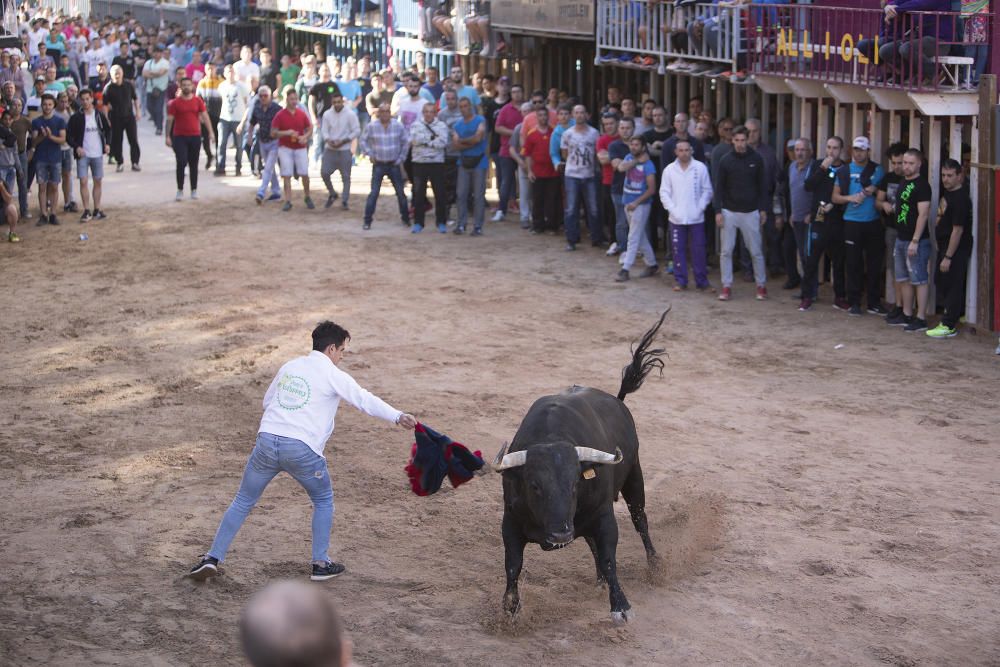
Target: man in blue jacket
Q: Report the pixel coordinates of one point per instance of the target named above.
(922, 36)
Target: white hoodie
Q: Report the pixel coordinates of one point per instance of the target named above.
(303, 398)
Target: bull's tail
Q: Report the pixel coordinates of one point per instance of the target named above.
(643, 361)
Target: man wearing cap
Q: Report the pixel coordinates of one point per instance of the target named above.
(855, 188)
(33, 103)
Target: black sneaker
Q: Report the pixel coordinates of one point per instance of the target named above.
(328, 571)
(207, 568)
(916, 324)
(877, 309)
(42, 220)
(854, 311)
(895, 312)
(99, 214)
(86, 216)
(367, 225)
(622, 276)
(650, 271)
(72, 207)
(52, 219)
(899, 320)
(329, 201)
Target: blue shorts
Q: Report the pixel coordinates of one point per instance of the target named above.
(67, 161)
(913, 269)
(48, 172)
(94, 164)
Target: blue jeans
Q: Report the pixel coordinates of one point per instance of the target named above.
(621, 223)
(155, 98)
(8, 175)
(227, 128)
(269, 151)
(575, 189)
(507, 169)
(473, 180)
(22, 183)
(271, 455)
(379, 171)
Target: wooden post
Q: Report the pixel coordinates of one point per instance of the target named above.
(805, 117)
(933, 157)
(984, 229)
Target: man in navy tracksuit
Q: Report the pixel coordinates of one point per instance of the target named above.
(741, 199)
(825, 229)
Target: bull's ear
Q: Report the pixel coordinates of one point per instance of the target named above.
(591, 455)
(512, 460)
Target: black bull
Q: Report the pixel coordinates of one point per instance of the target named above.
(570, 458)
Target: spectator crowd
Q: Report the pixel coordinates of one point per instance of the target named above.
(676, 187)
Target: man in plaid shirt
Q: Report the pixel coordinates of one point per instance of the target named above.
(386, 142)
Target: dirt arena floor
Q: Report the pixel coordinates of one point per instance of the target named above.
(814, 504)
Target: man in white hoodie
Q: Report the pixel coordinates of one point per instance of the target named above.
(300, 407)
(686, 190)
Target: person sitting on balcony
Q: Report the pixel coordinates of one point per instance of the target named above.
(435, 23)
(478, 26)
(924, 36)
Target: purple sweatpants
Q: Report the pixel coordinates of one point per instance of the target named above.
(683, 237)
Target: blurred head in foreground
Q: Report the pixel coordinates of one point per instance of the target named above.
(290, 623)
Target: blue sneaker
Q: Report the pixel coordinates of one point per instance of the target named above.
(670, 268)
(416, 229)
(443, 228)
(274, 197)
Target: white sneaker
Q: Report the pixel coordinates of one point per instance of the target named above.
(613, 249)
(498, 216)
(194, 194)
(180, 195)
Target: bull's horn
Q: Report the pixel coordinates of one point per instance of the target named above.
(512, 460)
(591, 455)
(500, 454)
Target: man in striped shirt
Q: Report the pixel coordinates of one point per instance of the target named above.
(386, 142)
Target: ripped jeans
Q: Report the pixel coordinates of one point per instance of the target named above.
(271, 455)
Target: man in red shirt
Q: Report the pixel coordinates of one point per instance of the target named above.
(546, 191)
(609, 125)
(293, 128)
(186, 114)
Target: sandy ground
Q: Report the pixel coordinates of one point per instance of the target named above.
(814, 505)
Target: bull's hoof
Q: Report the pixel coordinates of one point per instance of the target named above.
(601, 582)
(622, 617)
(511, 605)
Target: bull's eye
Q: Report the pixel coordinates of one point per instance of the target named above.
(535, 487)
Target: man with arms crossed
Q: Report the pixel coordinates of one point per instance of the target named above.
(300, 409)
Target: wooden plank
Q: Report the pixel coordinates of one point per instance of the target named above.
(985, 248)
(972, 277)
(933, 157)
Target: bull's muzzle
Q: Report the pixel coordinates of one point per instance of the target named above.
(505, 461)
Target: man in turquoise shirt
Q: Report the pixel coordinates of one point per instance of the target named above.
(864, 237)
(564, 121)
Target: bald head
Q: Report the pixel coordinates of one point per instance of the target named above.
(292, 623)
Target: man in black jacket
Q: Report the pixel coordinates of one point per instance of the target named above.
(741, 199)
(89, 134)
(824, 228)
(122, 104)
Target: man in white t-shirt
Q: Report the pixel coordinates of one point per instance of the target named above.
(246, 70)
(38, 34)
(579, 154)
(89, 136)
(235, 96)
(92, 58)
(300, 408)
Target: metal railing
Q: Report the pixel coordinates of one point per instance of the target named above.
(406, 18)
(913, 51)
(706, 33)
